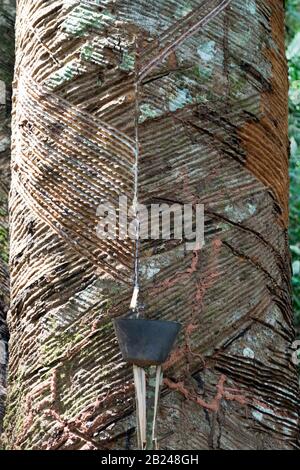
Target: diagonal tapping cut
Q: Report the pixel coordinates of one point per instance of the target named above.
(140, 72)
(111, 143)
(145, 62)
(174, 36)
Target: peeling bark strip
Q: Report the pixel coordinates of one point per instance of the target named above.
(7, 12)
(206, 113)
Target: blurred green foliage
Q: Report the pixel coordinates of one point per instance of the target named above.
(293, 56)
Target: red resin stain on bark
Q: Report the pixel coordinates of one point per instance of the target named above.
(214, 405)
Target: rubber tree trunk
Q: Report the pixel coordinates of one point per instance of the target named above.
(212, 129)
(7, 13)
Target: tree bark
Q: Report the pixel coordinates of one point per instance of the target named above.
(213, 130)
(7, 12)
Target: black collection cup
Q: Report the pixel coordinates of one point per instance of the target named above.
(145, 342)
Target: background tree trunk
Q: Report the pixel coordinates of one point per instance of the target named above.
(7, 13)
(212, 130)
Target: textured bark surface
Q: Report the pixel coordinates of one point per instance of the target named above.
(213, 130)
(7, 12)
